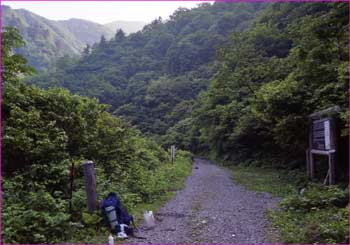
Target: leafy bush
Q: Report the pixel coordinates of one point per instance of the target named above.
(44, 131)
(316, 197)
(33, 216)
(319, 215)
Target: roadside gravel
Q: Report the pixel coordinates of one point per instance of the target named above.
(211, 209)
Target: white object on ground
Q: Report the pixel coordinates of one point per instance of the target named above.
(110, 239)
(122, 233)
(149, 219)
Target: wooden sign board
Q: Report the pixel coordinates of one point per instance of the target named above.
(322, 138)
(323, 141)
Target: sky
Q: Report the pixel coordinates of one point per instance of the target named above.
(102, 11)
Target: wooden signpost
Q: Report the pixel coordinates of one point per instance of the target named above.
(90, 185)
(323, 141)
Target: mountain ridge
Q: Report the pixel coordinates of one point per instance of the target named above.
(46, 40)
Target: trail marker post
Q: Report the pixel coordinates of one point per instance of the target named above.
(90, 185)
(323, 137)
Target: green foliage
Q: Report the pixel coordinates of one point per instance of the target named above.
(265, 179)
(288, 65)
(13, 65)
(91, 219)
(147, 76)
(160, 186)
(270, 65)
(46, 40)
(319, 215)
(316, 197)
(44, 131)
(32, 214)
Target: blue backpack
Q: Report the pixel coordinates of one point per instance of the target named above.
(114, 212)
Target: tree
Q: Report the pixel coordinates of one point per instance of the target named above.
(86, 50)
(13, 65)
(119, 35)
(288, 65)
(182, 49)
(103, 42)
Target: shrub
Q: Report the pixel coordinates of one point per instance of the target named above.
(319, 215)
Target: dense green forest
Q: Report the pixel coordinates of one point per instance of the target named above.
(292, 62)
(44, 131)
(234, 82)
(152, 77)
(267, 67)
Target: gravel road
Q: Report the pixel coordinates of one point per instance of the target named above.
(211, 209)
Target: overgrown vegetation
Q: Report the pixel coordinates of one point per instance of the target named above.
(319, 215)
(280, 183)
(44, 131)
(291, 63)
(267, 67)
(152, 77)
(309, 213)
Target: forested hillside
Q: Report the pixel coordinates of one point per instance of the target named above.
(292, 62)
(43, 133)
(268, 67)
(152, 77)
(46, 40)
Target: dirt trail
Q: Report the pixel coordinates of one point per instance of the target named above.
(211, 209)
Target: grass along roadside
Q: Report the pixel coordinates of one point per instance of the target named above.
(276, 182)
(318, 215)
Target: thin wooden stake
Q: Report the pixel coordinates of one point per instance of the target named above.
(326, 179)
(312, 166)
(307, 162)
(331, 169)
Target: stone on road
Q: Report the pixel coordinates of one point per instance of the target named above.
(211, 209)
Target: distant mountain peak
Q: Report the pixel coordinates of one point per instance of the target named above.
(49, 39)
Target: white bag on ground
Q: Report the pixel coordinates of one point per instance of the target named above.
(110, 240)
(149, 219)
